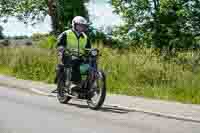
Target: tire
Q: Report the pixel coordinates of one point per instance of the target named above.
(60, 95)
(99, 103)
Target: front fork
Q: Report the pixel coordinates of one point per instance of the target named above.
(68, 75)
(93, 74)
(93, 67)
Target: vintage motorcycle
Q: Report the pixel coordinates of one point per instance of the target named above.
(93, 85)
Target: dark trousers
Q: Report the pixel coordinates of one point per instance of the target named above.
(75, 64)
(76, 74)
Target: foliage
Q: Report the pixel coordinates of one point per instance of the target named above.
(29, 63)
(48, 42)
(24, 10)
(18, 37)
(1, 33)
(32, 11)
(66, 10)
(38, 36)
(163, 23)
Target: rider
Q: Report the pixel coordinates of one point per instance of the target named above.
(74, 38)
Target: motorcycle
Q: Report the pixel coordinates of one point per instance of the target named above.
(93, 84)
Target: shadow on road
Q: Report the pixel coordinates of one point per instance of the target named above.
(114, 109)
(106, 108)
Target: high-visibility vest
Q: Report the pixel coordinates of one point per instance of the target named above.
(76, 43)
(79, 44)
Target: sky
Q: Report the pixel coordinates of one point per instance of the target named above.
(99, 10)
(101, 13)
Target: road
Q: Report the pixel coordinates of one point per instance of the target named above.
(24, 112)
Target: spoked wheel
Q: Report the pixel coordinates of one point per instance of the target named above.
(62, 98)
(98, 92)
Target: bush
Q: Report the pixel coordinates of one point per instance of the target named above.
(47, 42)
(1, 33)
(38, 36)
(20, 37)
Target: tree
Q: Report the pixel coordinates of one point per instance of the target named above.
(164, 23)
(24, 10)
(66, 10)
(1, 33)
(61, 11)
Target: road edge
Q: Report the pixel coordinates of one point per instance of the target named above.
(16, 85)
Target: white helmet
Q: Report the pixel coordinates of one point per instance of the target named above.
(79, 20)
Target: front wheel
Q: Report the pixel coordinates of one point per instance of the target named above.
(62, 98)
(98, 92)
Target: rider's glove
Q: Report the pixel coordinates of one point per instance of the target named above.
(60, 50)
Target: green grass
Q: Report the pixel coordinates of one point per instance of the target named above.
(30, 63)
(135, 72)
(5, 70)
(141, 72)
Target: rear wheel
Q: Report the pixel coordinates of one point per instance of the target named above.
(98, 93)
(62, 98)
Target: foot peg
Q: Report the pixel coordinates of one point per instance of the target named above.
(55, 91)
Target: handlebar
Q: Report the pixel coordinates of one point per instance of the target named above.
(74, 52)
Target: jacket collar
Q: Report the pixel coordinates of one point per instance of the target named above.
(78, 35)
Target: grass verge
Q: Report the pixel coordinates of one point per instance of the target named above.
(134, 72)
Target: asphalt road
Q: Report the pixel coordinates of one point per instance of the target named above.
(24, 112)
